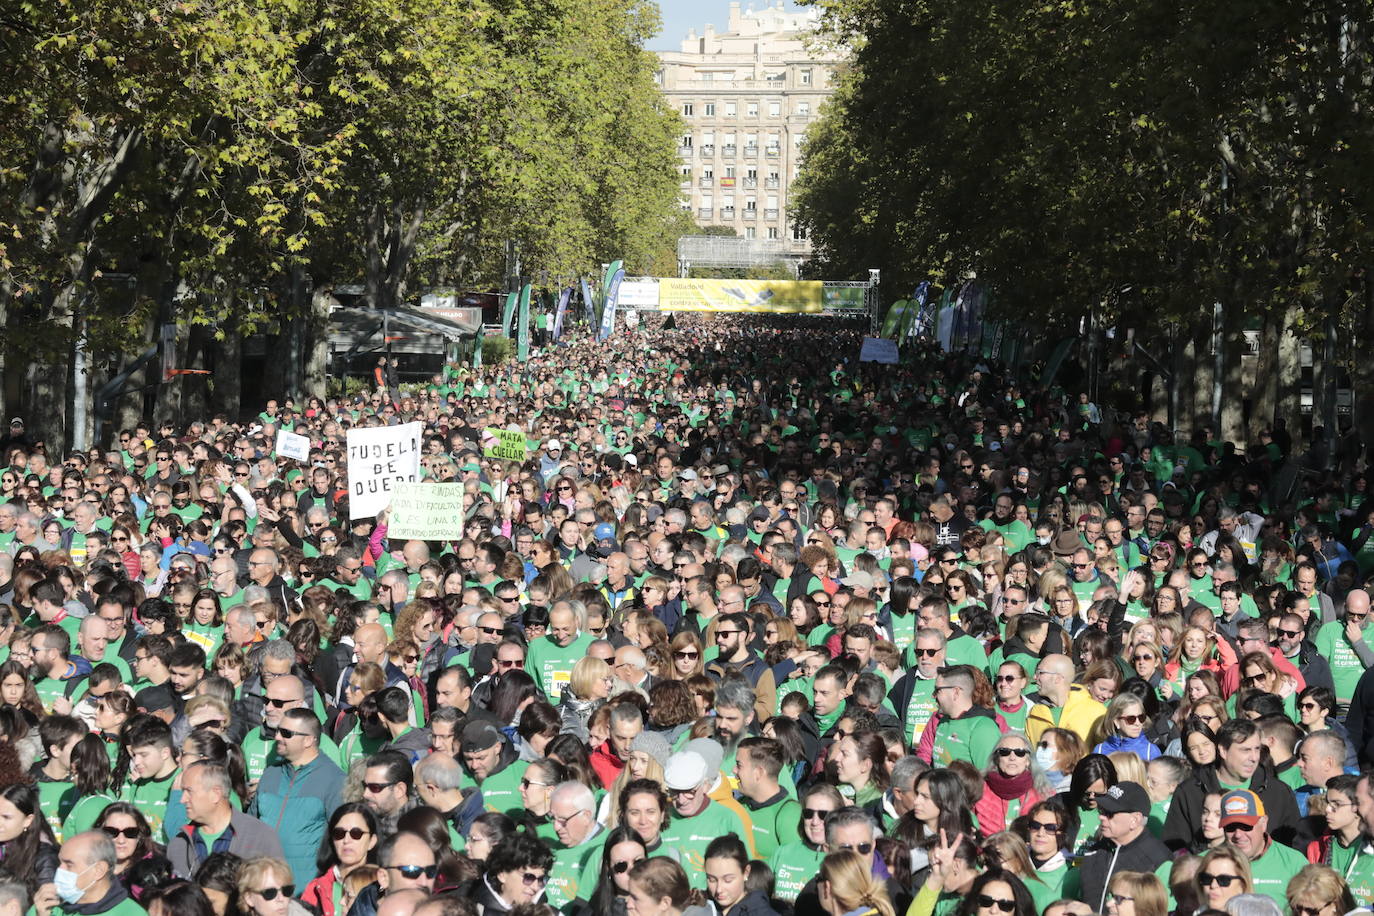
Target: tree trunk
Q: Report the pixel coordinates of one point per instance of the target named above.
(227, 395)
(317, 354)
(1265, 403)
(1233, 388)
(1199, 410)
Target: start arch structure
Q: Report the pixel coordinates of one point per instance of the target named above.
(838, 298)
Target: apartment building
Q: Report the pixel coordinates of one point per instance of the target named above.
(747, 95)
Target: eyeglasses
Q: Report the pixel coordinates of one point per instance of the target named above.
(862, 849)
(1005, 678)
(926, 653)
(526, 782)
(1254, 678)
(721, 633)
(1132, 719)
(509, 663)
(621, 867)
(1044, 827)
(377, 787)
(563, 821)
(529, 879)
(1143, 657)
(1009, 751)
(810, 814)
(1207, 879)
(129, 833)
(280, 704)
(1237, 827)
(1299, 910)
(1119, 899)
(353, 833)
(1288, 634)
(414, 871)
(270, 893)
(1006, 906)
(1309, 705)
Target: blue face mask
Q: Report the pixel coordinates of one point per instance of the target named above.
(1047, 758)
(64, 882)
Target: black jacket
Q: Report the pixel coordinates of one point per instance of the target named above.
(1183, 826)
(1144, 853)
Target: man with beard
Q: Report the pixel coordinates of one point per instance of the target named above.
(733, 634)
(1015, 532)
(734, 719)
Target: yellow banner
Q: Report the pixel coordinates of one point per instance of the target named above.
(779, 296)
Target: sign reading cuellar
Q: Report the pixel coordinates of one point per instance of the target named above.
(426, 512)
(503, 444)
(378, 459)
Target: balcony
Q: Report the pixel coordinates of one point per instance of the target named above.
(751, 152)
(703, 213)
(706, 181)
(685, 183)
(751, 183)
(751, 213)
(770, 214)
(728, 150)
(773, 151)
(708, 150)
(685, 152)
(770, 183)
(727, 212)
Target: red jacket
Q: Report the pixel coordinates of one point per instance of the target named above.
(606, 764)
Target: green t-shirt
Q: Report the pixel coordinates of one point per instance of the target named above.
(1272, 871)
(919, 709)
(1346, 666)
(149, 796)
(794, 864)
(691, 835)
(774, 825)
(56, 798)
(551, 664)
(575, 871)
(970, 738)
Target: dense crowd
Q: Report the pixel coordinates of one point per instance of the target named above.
(755, 629)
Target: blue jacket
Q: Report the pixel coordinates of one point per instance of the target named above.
(296, 802)
(1142, 747)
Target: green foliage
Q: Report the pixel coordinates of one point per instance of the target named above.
(496, 350)
(777, 270)
(1145, 157)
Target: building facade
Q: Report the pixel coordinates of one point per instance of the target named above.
(747, 95)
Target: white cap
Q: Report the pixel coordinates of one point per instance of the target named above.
(685, 771)
(553, 445)
(632, 461)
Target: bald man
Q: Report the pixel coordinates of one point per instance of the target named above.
(1060, 702)
(1343, 644)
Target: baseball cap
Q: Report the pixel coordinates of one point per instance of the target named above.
(859, 579)
(153, 699)
(688, 474)
(479, 736)
(1239, 806)
(16, 421)
(1124, 797)
(685, 771)
(603, 531)
(708, 749)
(553, 445)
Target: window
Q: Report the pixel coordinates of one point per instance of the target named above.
(751, 110)
(708, 172)
(751, 204)
(804, 77)
(709, 109)
(750, 232)
(772, 232)
(775, 109)
(804, 109)
(731, 110)
(729, 171)
(798, 232)
(686, 109)
(658, 77)
(686, 141)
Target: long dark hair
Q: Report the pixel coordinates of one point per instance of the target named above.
(1089, 770)
(182, 898)
(21, 853)
(1025, 904)
(904, 588)
(946, 790)
(146, 846)
(603, 899)
(212, 747)
(513, 689)
(90, 766)
(326, 858)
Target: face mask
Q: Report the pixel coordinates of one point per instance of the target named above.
(65, 884)
(1043, 542)
(1047, 758)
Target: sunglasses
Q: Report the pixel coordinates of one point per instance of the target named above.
(621, 867)
(1133, 719)
(1005, 678)
(375, 787)
(691, 656)
(289, 733)
(129, 833)
(270, 893)
(1238, 827)
(1288, 634)
(862, 849)
(926, 653)
(529, 879)
(1142, 658)
(279, 704)
(1207, 879)
(414, 871)
(1044, 827)
(354, 833)
(1009, 751)
(1006, 906)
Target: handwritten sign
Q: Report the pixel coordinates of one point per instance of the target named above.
(290, 445)
(426, 511)
(378, 459)
(503, 444)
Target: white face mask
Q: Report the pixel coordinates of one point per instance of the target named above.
(1043, 541)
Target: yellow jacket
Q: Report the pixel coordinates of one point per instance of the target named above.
(1081, 714)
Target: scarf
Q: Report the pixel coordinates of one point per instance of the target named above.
(1009, 787)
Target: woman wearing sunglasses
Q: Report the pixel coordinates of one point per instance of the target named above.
(517, 872)
(265, 889)
(1012, 783)
(795, 863)
(1224, 873)
(128, 829)
(997, 892)
(1124, 728)
(349, 841)
(622, 851)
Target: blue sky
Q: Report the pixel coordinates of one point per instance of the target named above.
(681, 15)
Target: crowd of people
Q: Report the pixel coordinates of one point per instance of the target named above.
(755, 629)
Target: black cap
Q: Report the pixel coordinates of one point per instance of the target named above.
(1124, 797)
(153, 699)
(479, 736)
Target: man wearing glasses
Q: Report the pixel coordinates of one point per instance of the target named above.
(1124, 808)
(733, 636)
(695, 819)
(577, 861)
(298, 791)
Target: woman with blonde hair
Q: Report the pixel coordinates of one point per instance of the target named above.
(846, 887)
(1136, 893)
(1129, 767)
(588, 688)
(1123, 729)
(1319, 889)
(1223, 874)
(266, 888)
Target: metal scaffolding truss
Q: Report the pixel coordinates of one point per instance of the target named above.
(725, 251)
